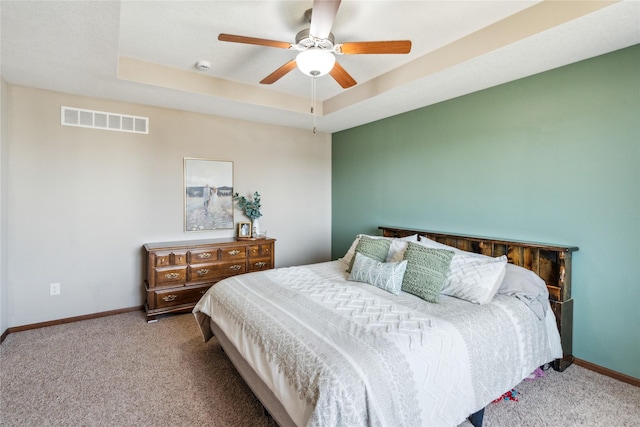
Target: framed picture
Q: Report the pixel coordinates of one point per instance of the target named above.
(208, 194)
(244, 229)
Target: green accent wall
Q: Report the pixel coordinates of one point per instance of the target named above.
(551, 158)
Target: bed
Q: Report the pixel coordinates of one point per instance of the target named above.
(320, 349)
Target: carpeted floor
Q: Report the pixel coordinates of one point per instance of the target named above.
(121, 371)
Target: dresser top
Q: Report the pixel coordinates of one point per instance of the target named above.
(204, 242)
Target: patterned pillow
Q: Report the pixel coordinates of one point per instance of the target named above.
(426, 271)
(373, 248)
(472, 277)
(384, 275)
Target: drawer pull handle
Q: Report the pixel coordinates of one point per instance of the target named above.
(204, 255)
(202, 271)
(235, 267)
(260, 264)
(172, 275)
(234, 252)
(169, 298)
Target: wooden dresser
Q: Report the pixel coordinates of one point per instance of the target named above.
(179, 273)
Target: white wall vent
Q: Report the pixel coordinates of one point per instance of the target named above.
(102, 120)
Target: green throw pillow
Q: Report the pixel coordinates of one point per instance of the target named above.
(426, 271)
(377, 249)
(384, 275)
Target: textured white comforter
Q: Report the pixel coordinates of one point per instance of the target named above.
(343, 353)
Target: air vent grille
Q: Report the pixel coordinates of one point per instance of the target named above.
(102, 120)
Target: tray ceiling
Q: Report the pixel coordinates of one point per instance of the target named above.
(145, 52)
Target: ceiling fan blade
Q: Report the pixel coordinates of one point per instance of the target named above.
(322, 15)
(253, 40)
(340, 75)
(279, 73)
(393, 46)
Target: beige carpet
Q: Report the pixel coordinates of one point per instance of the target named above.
(121, 371)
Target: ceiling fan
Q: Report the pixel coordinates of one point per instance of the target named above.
(317, 47)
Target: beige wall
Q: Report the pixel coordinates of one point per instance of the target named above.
(3, 205)
(82, 202)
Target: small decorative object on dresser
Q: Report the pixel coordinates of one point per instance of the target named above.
(251, 208)
(244, 229)
(179, 273)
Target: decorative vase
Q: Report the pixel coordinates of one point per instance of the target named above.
(255, 227)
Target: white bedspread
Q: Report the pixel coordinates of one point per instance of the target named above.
(343, 353)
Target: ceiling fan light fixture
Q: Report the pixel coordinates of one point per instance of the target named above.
(315, 62)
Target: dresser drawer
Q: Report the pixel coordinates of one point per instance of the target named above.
(179, 296)
(232, 268)
(163, 259)
(233, 253)
(203, 272)
(179, 258)
(170, 276)
(259, 264)
(200, 272)
(200, 256)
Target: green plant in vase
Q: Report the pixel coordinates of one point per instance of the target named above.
(251, 208)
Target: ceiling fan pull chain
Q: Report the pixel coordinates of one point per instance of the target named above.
(313, 103)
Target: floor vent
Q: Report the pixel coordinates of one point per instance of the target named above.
(103, 120)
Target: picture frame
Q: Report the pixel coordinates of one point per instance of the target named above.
(244, 230)
(208, 194)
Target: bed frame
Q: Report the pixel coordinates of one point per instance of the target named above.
(551, 262)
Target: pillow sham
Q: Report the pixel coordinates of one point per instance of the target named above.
(376, 248)
(384, 275)
(475, 279)
(527, 286)
(398, 246)
(396, 249)
(471, 277)
(521, 280)
(426, 271)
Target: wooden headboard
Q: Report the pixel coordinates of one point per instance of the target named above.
(551, 262)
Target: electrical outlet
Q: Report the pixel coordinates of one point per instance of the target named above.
(54, 289)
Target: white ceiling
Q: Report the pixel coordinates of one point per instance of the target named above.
(145, 52)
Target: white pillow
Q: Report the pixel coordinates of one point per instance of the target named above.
(396, 251)
(384, 275)
(472, 277)
(398, 246)
(519, 280)
(527, 286)
(352, 249)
